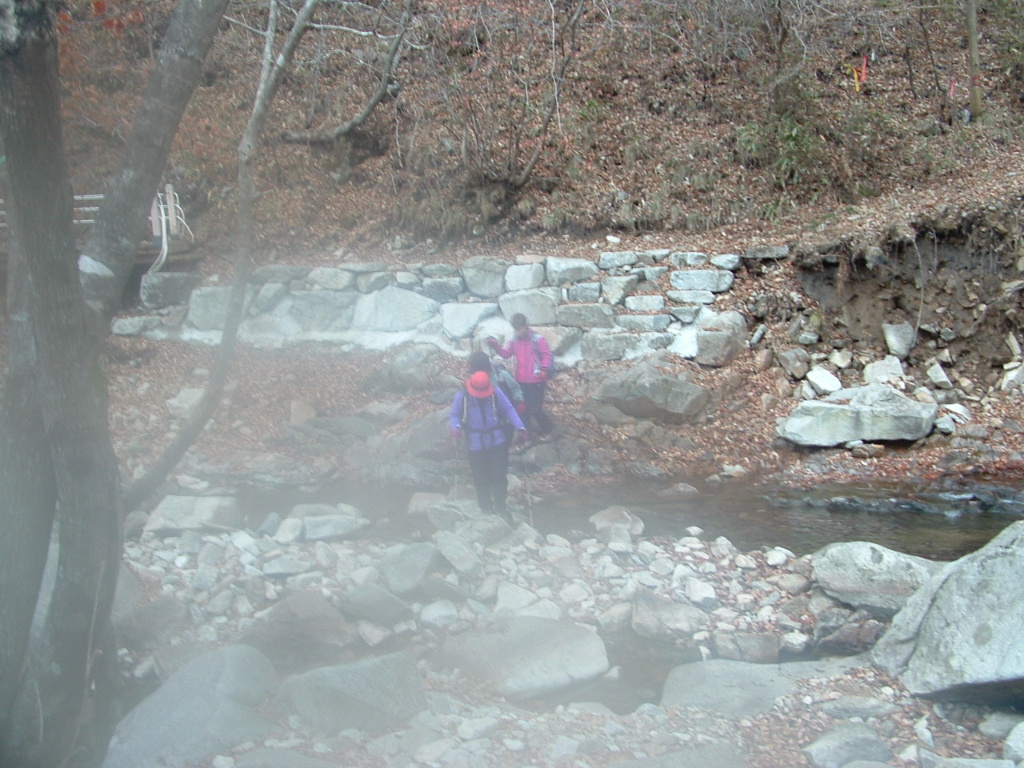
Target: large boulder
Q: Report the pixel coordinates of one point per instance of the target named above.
(958, 637)
(658, 617)
(302, 631)
(846, 743)
(204, 708)
(869, 413)
(871, 577)
(404, 566)
(529, 656)
(374, 694)
(646, 393)
(740, 688)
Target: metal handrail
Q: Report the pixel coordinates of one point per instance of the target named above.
(166, 218)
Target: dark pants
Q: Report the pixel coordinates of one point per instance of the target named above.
(533, 396)
(489, 467)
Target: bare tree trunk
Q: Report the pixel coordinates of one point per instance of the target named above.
(114, 240)
(46, 726)
(972, 47)
(28, 503)
(274, 68)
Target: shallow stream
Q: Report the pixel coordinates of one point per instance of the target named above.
(937, 523)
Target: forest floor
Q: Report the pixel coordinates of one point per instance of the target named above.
(638, 126)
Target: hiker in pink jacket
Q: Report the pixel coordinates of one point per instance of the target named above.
(532, 369)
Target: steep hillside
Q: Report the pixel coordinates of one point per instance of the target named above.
(671, 125)
(650, 146)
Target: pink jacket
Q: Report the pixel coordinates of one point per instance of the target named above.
(532, 356)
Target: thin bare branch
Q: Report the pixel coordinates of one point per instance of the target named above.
(391, 60)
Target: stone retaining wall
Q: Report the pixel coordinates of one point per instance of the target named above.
(626, 304)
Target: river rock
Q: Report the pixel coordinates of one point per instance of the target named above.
(371, 601)
(617, 287)
(333, 526)
(796, 362)
(714, 280)
(869, 413)
(276, 757)
(958, 636)
(175, 514)
(899, 338)
(714, 755)
(539, 304)
(586, 315)
(373, 694)
(889, 368)
(739, 688)
(208, 306)
(869, 576)
(523, 277)
(404, 566)
(617, 259)
(205, 707)
(645, 393)
(615, 523)
(1013, 749)
(529, 656)
(845, 743)
(460, 319)
(150, 625)
(301, 631)
(661, 618)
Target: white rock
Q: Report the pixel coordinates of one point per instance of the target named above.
(823, 380)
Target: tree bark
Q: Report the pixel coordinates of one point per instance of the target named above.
(972, 47)
(28, 503)
(114, 239)
(63, 398)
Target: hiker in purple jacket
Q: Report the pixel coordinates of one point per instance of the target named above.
(479, 414)
(532, 368)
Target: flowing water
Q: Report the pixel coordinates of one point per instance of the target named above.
(937, 523)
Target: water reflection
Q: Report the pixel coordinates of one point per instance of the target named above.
(937, 524)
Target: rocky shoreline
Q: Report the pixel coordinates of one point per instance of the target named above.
(301, 643)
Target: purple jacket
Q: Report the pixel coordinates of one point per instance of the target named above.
(482, 419)
(528, 364)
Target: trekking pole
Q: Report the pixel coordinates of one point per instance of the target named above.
(526, 485)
